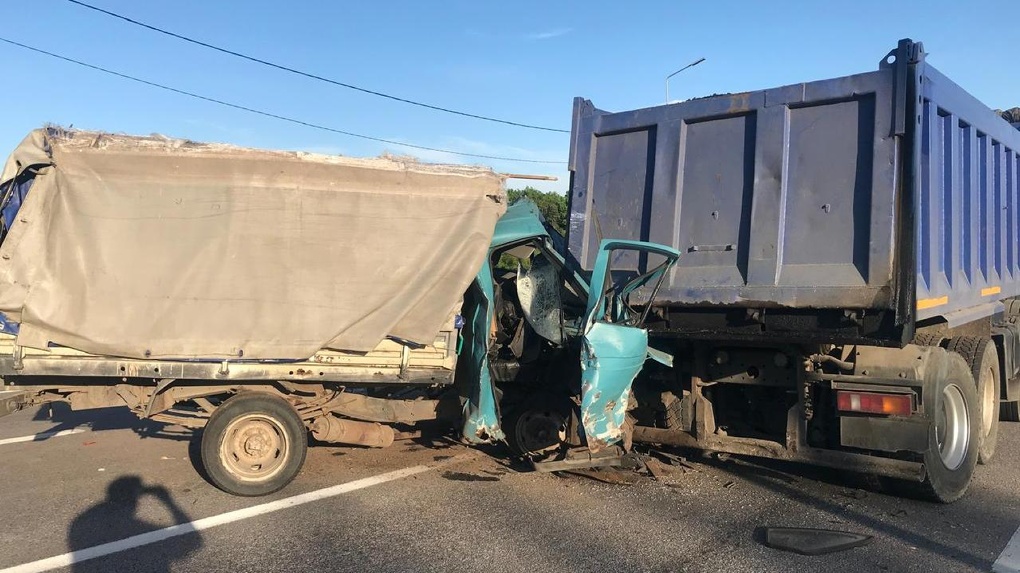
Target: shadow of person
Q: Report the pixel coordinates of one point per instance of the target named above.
(116, 518)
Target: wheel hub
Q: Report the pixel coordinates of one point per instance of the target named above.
(952, 427)
(255, 447)
(538, 431)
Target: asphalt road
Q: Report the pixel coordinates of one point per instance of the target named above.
(466, 510)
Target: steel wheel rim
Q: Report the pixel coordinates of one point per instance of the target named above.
(254, 448)
(988, 397)
(952, 427)
(534, 440)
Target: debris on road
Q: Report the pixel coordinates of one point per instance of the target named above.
(671, 459)
(659, 470)
(809, 541)
(462, 476)
(606, 475)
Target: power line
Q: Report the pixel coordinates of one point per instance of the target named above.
(269, 114)
(311, 75)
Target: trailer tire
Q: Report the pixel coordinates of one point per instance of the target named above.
(983, 359)
(254, 444)
(950, 400)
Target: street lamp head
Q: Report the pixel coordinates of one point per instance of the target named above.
(690, 65)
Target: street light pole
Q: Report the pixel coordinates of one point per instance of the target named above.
(690, 65)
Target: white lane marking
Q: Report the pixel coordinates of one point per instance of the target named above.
(42, 436)
(73, 557)
(1009, 560)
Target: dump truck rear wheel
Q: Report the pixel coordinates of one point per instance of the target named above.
(928, 339)
(983, 359)
(950, 400)
(254, 444)
(1011, 307)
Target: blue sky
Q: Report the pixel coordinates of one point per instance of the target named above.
(522, 61)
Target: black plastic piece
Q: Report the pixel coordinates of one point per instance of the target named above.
(806, 541)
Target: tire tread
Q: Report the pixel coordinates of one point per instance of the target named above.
(973, 349)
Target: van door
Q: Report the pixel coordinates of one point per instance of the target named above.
(615, 342)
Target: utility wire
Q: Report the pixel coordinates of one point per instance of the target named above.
(311, 75)
(269, 114)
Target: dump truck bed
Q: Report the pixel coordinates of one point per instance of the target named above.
(851, 207)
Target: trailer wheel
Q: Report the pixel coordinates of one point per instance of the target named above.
(983, 359)
(254, 444)
(950, 400)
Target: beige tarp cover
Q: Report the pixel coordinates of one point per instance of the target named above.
(151, 247)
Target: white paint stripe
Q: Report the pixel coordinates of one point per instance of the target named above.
(1009, 560)
(41, 436)
(71, 558)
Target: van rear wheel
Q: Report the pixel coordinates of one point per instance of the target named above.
(254, 444)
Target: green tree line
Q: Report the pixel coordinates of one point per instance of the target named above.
(551, 204)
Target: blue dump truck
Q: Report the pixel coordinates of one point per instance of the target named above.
(850, 265)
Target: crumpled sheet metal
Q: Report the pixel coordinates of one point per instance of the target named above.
(611, 358)
(481, 411)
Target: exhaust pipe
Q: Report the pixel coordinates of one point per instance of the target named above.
(342, 431)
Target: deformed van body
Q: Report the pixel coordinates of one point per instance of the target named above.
(264, 295)
(596, 330)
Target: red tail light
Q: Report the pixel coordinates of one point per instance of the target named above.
(874, 403)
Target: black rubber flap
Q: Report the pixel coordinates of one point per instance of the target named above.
(812, 541)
